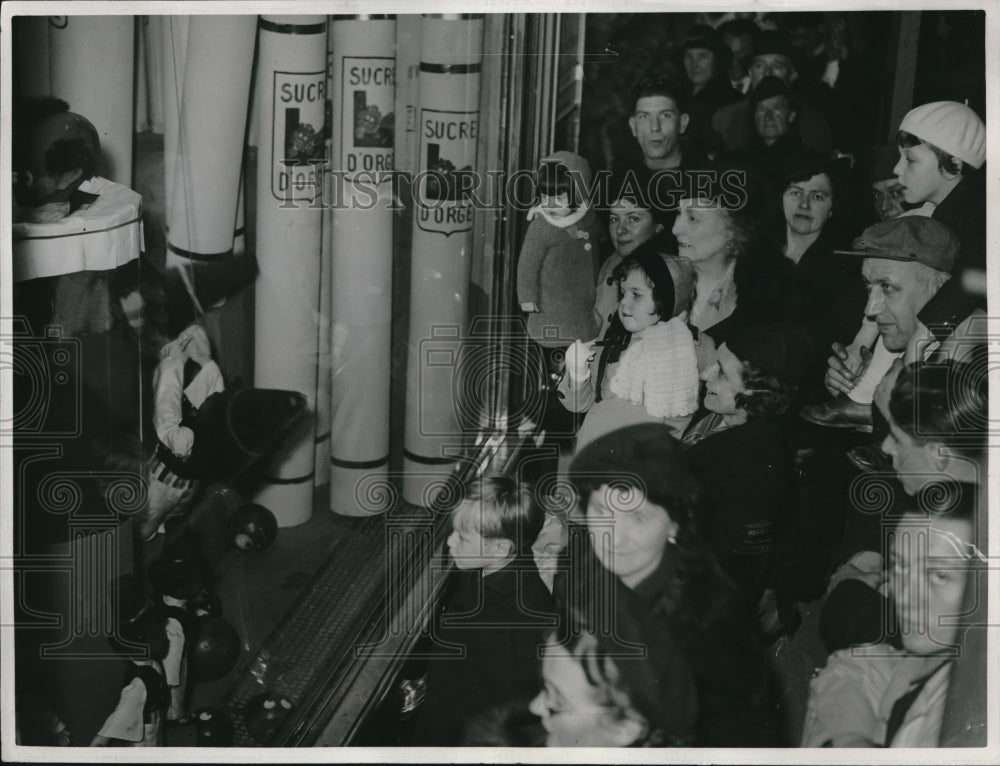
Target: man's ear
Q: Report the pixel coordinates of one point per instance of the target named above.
(631, 125)
(684, 122)
(940, 278)
(791, 117)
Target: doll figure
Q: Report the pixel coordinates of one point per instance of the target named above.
(184, 379)
(557, 267)
(154, 644)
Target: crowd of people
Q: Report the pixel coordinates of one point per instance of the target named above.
(746, 360)
(736, 361)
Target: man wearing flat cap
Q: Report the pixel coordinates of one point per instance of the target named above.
(907, 261)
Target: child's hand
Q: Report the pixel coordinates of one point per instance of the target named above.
(529, 307)
(578, 359)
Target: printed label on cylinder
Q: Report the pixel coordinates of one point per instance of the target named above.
(447, 147)
(298, 139)
(368, 119)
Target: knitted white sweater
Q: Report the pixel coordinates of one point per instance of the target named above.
(660, 370)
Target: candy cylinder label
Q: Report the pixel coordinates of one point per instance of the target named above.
(299, 110)
(447, 150)
(368, 119)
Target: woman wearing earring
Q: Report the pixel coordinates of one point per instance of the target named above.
(739, 280)
(682, 642)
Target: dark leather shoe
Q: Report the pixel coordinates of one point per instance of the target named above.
(840, 413)
(870, 459)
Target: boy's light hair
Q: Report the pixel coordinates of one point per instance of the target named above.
(499, 506)
(947, 163)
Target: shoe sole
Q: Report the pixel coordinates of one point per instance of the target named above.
(859, 427)
(865, 468)
(868, 468)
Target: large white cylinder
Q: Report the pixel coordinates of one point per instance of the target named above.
(91, 60)
(292, 94)
(174, 52)
(363, 137)
(448, 126)
(212, 122)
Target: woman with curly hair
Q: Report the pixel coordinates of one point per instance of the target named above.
(740, 278)
(741, 453)
(642, 579)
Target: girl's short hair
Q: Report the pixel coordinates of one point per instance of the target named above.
(505, 509)
(947, 163)
(553, 178)
(775, 357)
(945, 403)
(646, 258)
